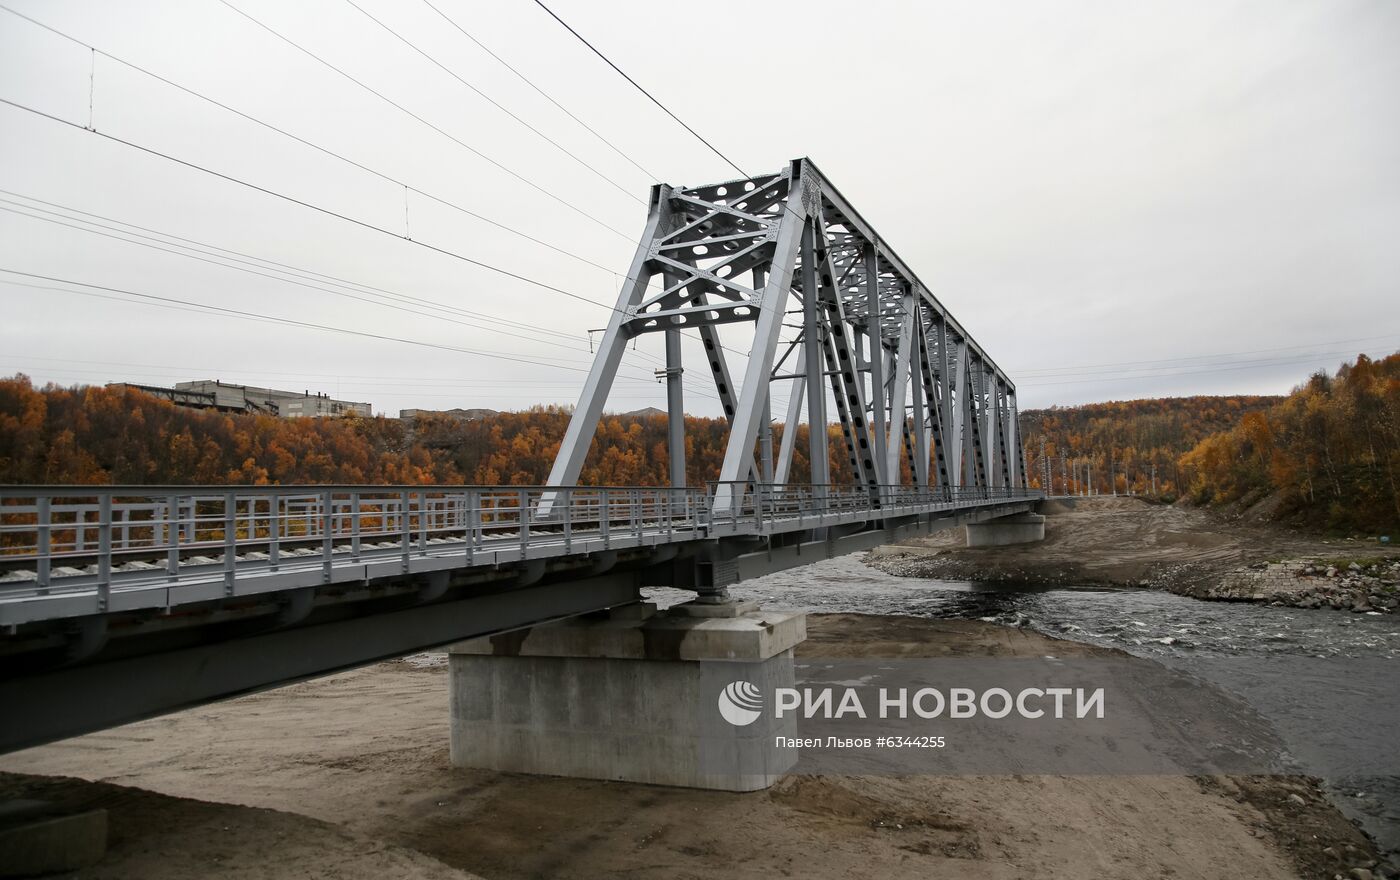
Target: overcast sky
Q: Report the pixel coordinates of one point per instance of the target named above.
(1117, 200)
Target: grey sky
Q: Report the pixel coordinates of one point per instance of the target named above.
(1209, 187)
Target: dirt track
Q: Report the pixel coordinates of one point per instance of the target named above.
(357, 765)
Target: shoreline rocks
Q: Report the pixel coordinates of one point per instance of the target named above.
(1304, 583)
(1344, 585)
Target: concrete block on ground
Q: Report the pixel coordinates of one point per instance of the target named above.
(1020, 528)
(630, 698)
(38, 838)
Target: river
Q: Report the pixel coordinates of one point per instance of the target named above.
(1325, 679)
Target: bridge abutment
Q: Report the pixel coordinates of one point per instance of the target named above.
(1020, 528)
(631, 695)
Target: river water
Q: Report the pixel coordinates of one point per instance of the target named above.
(1328, 681)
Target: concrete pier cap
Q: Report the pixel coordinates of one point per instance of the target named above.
(632, 695)
(1019, 528)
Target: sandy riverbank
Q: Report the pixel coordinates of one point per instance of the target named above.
(1190, 551)
(348, 776)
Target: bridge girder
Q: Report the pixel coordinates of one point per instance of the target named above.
(870, 338)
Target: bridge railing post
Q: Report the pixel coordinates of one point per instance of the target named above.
(43, 543)
(104, 551)
(327, 534)
(230, 539)
(274, 531)
(355, 516)
(424, 509)
(604, 518)
(522, 500)
(405, 528)
(172, 526)
(568, 519)
(469, 499)
(634, 501)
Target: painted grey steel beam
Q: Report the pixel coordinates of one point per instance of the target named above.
(74, 700)
(794, 416)
(584, 422)
(899, 390)
(813, 349)
(870, 264)
(738, 454)
(960, 447)
(918, 410)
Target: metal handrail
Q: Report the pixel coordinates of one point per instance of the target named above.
(94, 534)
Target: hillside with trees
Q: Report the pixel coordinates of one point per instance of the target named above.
(1328, 454)
(1128, 445)
(116, 434)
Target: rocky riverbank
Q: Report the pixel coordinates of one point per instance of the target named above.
(1309, 583)
(1127, 542)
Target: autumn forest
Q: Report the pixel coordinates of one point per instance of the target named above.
(1327, 454)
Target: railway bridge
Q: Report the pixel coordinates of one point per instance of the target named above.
(123, 602)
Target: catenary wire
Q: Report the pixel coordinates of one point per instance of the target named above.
(639, 88)
(474, 151)
(159, 236)
(541, 91)
(493, 102)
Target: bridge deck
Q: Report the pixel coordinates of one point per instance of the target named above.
(75, 551)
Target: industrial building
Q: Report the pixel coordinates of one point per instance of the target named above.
(228, 397)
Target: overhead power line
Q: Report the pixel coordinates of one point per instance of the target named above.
(461, 143)
(305, 204)
(216, 261)
(1312, 357)
(202, 249)
(388, 178)
(352, 287)
(1087, 369)
(116, 294)
(275, 265)
(494, 103)
(639, 88)
(273, 319)
(541, 91)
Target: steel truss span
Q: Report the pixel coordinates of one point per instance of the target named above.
(833, 308)
(118, 603)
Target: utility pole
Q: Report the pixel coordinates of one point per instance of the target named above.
(1045, 466)
(1154, 480)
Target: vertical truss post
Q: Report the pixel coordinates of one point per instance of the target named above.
(765, 431)
(962, 427)
(846, 382)
(976, 415)
(1013, 426)
(1002, 474)
(743, 432)
(816, 398)
(916, 381)
(991, 424)
(794, 416)
(899, 390)
(933, 393)
(875, 331)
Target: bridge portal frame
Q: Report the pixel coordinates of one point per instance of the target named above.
(908, 382)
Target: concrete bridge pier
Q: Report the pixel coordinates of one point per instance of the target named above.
(1019, 528)
(678, 697)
